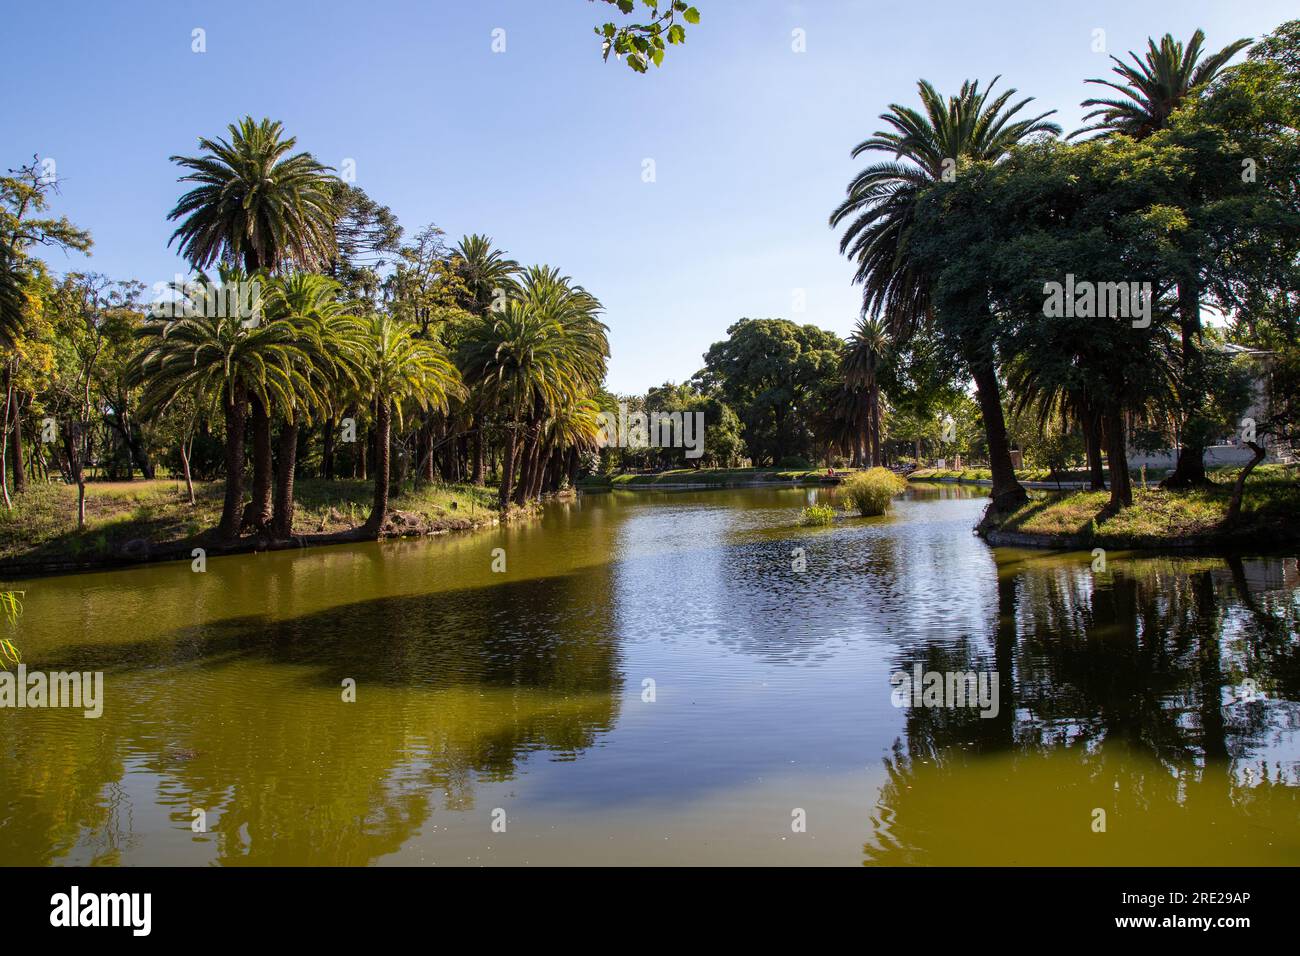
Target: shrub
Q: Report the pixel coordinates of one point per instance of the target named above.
(871, 491)
(817, 515)
(794, 461)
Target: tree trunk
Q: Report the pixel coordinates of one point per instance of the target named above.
(236, 409)
(282, 518)
(16, 450)
(257, 515)
(383, 422)
(185, 466)
(1190, 470)
(1121, 486)
(1008, 493)
(1239, 486)
(327, 452)
(1092, 440)
(508, 463)
(479, 466)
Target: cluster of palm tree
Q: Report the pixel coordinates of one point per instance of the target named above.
(517, 363)
(929, 146)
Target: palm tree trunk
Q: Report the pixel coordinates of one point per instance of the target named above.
(258, 513)
(1092, 440)
(1121, 487)
(282, 520)
(478, 456)
(383, 426)
(235, 407)
(1190, 468)
(1008, 494)
(508, 462)
(327, 451)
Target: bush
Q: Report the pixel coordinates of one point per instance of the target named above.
(794, 461)
(871, 491)
(817, 515)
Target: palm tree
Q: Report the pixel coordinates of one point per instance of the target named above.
(881, 206)
(545, 348)
(397, 367)
(1155, 85)
(327, 365)
(864, 353)
(255, 204)
(488, 276)
(220, 360)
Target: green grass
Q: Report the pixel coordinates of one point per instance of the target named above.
(706, 476)
(1023, 474)
(1159, 517)
(42, 525)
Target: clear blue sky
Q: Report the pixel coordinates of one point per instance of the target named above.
(541, 146)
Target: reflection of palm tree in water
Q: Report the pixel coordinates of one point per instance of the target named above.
(1112, 691)
(249, 725)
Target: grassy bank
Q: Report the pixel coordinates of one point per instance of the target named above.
(706, 476)
(126, 520)
(1024, 474)
(1163, 519)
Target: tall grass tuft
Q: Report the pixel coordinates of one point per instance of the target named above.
(871, 491)
(817, 515)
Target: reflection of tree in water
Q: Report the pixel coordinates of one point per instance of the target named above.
(1122, 692)
(249, 724)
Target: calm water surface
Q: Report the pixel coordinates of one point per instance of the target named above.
(1165, 692)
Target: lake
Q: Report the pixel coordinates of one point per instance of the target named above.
(667, 678)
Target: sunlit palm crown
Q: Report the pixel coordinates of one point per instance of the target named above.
(327, 355)
(400, 366)
(546, 344)
(1155, 85)
(206, 356)
(255, 205)
(881, 199)
(484, 270)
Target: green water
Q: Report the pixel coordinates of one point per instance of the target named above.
(1163, 692)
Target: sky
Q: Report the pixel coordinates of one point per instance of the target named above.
(543, 146)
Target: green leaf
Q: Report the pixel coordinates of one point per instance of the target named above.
(691, 15)
(676, 33)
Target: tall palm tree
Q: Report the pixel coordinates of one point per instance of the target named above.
(220, 361)
(255, 204)
(1155, 85)
(864, 353)
(398, 368)
(881, 206)
(484, 270)
(544, 347)
(488, 276)
(309, 303)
